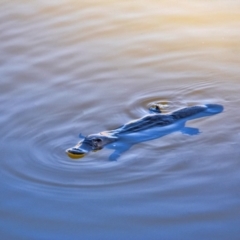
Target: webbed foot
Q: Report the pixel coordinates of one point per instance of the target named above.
(190, 131)
(121, 148)
(81, 136)
(114, 156)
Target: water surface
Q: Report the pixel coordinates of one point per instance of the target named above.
(70, 67)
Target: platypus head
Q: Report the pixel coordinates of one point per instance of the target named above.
(93, 142)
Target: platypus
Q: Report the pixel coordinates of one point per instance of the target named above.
(153, 125)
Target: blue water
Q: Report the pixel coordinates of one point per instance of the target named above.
(84, 67)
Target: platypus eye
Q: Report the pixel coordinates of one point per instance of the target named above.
(97, 143)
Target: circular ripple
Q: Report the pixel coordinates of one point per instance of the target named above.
(39, 156)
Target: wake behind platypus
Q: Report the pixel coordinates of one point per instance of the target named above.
(149, 127)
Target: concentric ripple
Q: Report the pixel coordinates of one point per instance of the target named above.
(40, 155)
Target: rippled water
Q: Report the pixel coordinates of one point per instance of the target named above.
(70, 67)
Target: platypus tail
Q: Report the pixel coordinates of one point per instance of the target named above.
(200, 111)
(214, 108)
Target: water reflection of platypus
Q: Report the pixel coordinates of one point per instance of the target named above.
(149, 127)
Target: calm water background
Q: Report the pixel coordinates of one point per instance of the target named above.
(85, 66)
